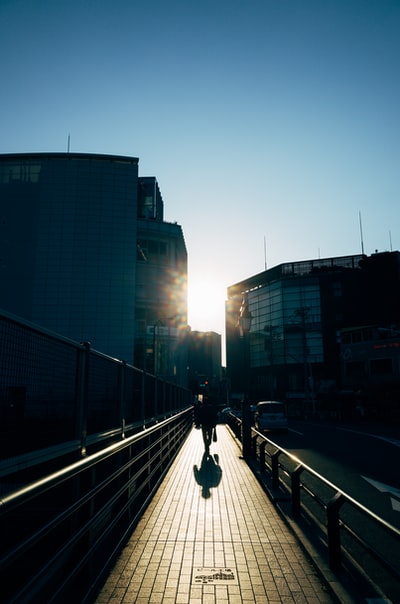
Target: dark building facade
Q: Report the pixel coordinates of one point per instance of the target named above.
(298, 311)
(161, 288)
(204, 363)
(370, 370)
(204, 357)
(85, 249)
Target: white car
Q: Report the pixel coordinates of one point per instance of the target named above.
(270, 415)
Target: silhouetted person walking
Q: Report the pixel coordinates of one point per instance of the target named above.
(206, 418)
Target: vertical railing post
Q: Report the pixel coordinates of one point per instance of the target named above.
(82, 379)
(295, 476)
(253, 449)
(164, 402)
(142, 399)
(262, 456)
(333, 521)
(122, 396)
(246, 429)
(275, 469)
(157, 383)
(153, 413)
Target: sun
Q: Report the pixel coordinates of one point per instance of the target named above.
(206, 305)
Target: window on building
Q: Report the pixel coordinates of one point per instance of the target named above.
(23, 172)
(141, 250)
(151, 250)
(355, 369)
(345, 338)
(337, 289)
(381, 366)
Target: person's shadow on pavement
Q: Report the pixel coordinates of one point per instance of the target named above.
(209, 475)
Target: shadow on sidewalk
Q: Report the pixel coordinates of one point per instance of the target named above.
(209, 475)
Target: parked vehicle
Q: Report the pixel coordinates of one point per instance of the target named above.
(270, 415)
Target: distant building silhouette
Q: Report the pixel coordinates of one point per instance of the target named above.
(300, 312)
(204, 364)
(85, 252)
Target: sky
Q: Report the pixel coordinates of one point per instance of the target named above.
(272, 126)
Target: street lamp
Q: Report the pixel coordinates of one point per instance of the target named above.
(244, 324)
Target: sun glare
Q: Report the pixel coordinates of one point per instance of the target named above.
(206, 306)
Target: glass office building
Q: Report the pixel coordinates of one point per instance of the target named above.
(292, 349)
(69, 245)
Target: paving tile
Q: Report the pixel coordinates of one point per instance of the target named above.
(210, 513)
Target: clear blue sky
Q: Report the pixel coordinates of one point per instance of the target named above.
(261, 119)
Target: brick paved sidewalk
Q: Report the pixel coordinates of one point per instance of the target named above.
(212, 535)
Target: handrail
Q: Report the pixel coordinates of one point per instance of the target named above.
(59, 533)
(330, 484)
(285, 483)
(39, 457)
(39, 486)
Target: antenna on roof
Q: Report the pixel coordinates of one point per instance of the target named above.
(265, 254)
(390, 239)
(361, 233)
(69, 143)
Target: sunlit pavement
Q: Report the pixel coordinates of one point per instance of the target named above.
(212, 535)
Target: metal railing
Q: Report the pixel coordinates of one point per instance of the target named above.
(353, 537)
(54, 390)
(85, 439)
(60, 533)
